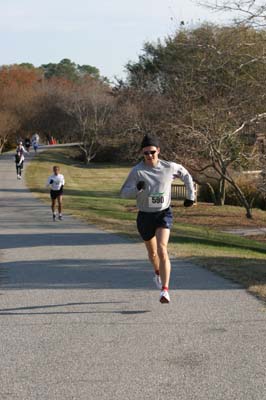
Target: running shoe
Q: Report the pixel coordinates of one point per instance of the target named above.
(60, 217)
(53, 217)
(157, 281)
(19, 177)
(164, 297)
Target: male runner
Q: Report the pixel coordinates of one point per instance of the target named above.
(150, 182)
(56, 182)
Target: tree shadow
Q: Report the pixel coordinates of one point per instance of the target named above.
(71, 308)
(11, 241)
(15, 190)
(58, 274)
(41, 309)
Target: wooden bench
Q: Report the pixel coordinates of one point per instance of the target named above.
(179, 191)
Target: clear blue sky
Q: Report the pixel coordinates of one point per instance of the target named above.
(103, 33)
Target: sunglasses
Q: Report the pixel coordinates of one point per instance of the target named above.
(147, 153)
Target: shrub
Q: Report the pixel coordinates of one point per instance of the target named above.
(248, 185)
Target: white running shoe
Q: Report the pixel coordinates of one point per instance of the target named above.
(157, 281)
(19, 177)
(164, 297)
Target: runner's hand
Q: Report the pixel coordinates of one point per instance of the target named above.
(141, 185)
(51, 181)
(188, 203)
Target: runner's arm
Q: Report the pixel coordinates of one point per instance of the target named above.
(62, 182)
(48, 182)
(129, 189)
(184, 175)
(24, 150)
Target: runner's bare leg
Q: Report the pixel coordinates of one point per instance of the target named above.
(162, 237)
(53, 205)
(59, 199)
(151, 246)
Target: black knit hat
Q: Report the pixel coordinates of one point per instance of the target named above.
(149, 140)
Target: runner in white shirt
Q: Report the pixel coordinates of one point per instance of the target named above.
(150, 183)
(56, 182)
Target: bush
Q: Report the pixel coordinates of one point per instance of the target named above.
(204, 193)
(248, 185)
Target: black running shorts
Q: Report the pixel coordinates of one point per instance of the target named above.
(56, 193)
(148, 222)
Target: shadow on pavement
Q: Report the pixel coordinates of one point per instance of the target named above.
(41, 309)
(15, 190)
(11, 241)
(103, 274)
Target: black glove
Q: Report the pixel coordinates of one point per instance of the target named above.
(51, 181)
(141, 185)
(188, 203)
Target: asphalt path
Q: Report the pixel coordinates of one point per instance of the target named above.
(80, 318)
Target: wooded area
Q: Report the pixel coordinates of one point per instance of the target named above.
(202, 91)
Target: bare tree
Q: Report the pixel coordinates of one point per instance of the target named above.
(225, 152)
(247, 12)
(90, 105)
(9, 124)
(16, 108)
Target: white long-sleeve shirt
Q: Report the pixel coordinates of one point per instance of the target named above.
(21, 151)
(156, 196)
(57, 181)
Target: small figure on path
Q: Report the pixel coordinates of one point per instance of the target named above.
(27, 144)
(56, 182)
(35, 145)
(35, 141)
(35, 137)
(19, 159)
(150, 183)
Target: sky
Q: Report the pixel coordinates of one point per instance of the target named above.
(104, 33)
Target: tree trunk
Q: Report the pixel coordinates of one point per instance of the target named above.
(3, 140)
(88, 155)
(243, 200)
(220, 198)
(213, 196)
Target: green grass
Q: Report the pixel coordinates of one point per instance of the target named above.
(92, 193)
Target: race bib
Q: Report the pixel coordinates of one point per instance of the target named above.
(156, 200)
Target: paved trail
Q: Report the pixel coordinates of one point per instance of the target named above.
(80, 318)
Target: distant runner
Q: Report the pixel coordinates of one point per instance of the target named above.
(19, 159)
(35, 141)
(35, 138)
(56, 182)
(150, 183)
(27, 143)
(35, 145)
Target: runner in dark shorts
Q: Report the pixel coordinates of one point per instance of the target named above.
(150, 183)
(148, 223)
(56, 193)
(56, 182)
